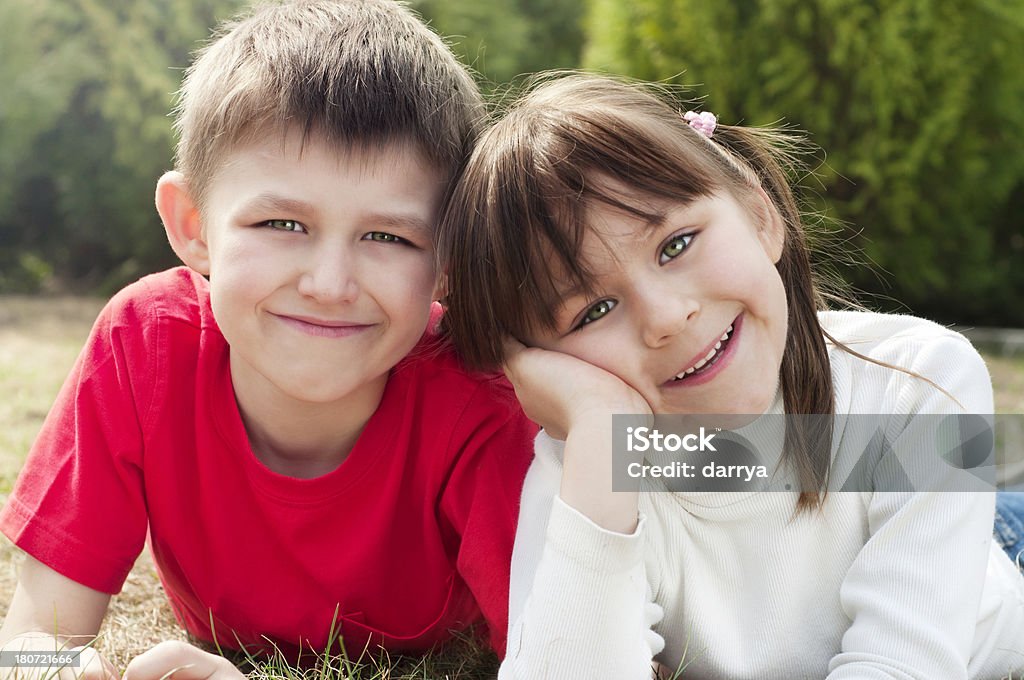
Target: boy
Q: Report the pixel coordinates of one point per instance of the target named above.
(301, 451)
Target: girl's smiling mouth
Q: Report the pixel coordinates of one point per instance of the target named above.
(713, 359)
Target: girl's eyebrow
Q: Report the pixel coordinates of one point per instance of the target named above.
(569, 291)
(651, 219)
(655, 220)
(678, 211)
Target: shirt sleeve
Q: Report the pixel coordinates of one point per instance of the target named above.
(579, 600)
(480, 501)
(913, 592)
(79, 505)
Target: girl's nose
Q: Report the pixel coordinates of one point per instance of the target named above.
(664, 314)
(330, 277)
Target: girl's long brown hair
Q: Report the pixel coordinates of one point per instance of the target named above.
(514, 224)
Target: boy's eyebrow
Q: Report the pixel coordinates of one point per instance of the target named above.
(285, 205)
(404, 222)
(282, 204)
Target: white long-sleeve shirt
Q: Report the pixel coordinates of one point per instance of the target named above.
(875, 585)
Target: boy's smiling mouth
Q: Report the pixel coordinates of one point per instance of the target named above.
(711, 360)
(329, 328)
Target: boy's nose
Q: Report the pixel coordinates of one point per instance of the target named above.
(664, 314)
(330, 277)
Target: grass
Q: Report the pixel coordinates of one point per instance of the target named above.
(1008, 382)
(39, 340)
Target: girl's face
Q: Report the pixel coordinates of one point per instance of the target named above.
(690, 310)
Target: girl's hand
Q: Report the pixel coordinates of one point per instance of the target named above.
(176, 660)
(558, 391)
(574, 401)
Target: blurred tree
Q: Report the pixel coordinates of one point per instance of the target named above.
(919, 105)
(84, 133)
(502, 40)
(85, 89)
(40, 65)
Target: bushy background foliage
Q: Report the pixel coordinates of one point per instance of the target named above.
(85, 90)
(919, 104)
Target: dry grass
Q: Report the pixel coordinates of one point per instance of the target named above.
(39, 340)
(1008, 382)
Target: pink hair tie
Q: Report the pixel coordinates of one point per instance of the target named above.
(704, 122)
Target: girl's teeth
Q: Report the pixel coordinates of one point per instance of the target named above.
(703, 362)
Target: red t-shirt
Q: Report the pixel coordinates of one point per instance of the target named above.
(408, 539)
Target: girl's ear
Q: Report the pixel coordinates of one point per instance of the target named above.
(772, 228)
(180, 216)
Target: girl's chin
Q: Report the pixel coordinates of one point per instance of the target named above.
(741, 404)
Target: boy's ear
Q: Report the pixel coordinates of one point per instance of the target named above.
(180, 216)
(440, 287)
(772, 228)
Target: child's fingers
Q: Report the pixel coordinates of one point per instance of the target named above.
(513, 350)
(89, 665)
(92, 666)
(180, 661)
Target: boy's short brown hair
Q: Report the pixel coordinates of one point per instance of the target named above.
(354, 72)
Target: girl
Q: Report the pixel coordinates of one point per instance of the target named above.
(651, 262)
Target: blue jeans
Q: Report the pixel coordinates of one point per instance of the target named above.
(1009, 526)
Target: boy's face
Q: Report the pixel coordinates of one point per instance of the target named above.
(321, 265)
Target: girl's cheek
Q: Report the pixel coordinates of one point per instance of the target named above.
(607, 348)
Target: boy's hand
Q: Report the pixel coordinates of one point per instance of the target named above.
(91, 664)
(48, 614)
(176, 660)
(558, 391)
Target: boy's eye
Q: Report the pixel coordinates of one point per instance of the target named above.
(284, 225)
(595, 312)
(384, 237)
(674, 248)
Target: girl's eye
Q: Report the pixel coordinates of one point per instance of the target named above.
(384, 237)
(674, 248)
(596, 312)
(284, 225)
